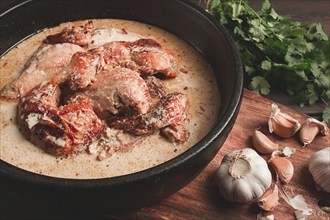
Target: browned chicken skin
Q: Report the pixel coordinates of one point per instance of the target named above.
(145, 56)
(59, 130)
(151, 58)
(79, 35)
(118, 90)
(170, 113)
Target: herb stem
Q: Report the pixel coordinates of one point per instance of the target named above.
(260, 19)
(251, 9)
(325, 102)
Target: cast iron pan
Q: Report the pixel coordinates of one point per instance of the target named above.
(136, 190)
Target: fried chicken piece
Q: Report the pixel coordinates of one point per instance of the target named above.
(82, 69)
(79, 35)
(59, 130)
(48, 61)
(145, 56)
(171, 111)
(151, 58)
(118, 90)
(84, 66)
(176, 133)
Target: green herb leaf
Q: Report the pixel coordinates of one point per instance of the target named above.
(260, 85)
(316, 32)
(277, 51)
(326, 114)
(266, 65)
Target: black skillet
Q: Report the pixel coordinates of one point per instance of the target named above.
(127, 192)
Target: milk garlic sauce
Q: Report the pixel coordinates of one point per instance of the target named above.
(195, 79)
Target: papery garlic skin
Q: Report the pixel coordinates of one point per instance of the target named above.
(299, 215)
(310, 128)
(282, 124)
(262, 216)
(319, 167)
(243, 176)
(286, 152)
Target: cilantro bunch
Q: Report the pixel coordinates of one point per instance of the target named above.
(278, 52)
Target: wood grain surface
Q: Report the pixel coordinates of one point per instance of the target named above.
(201, 199)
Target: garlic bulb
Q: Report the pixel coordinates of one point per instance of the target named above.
(319, 167)
(282, 124)
(243, 175)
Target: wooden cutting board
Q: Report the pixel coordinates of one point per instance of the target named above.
(201, 200)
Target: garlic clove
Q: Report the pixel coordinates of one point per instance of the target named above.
(319, 167)
(283, 168)
(282, 124)
(269, 199)
(310, 128)
(262, 143)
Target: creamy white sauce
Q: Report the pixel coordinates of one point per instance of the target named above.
(33, 119)
(104, 35)
(198, 83)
